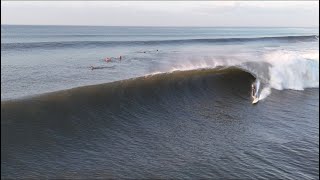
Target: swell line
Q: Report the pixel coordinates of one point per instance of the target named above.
(77, 44)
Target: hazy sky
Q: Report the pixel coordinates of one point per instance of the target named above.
(165, 13)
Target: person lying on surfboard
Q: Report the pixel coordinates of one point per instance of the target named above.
(108, 59)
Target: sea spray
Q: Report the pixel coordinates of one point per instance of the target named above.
(266, 91)
(277, 69)
(291, 70)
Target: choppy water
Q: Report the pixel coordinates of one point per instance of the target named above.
(177, 105)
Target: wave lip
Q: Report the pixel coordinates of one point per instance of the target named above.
(77, 44)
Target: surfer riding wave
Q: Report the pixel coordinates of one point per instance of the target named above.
(255, 91)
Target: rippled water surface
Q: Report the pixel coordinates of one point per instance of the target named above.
(177, 104)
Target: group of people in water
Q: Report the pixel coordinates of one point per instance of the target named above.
(110, 59)
(147, 51)
(107, 59)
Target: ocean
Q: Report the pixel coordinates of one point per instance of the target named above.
(159, 102)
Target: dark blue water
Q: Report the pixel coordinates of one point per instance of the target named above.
(176, 105)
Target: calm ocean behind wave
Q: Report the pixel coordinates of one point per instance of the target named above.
(176, 105)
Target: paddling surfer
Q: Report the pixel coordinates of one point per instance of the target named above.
(108, 59)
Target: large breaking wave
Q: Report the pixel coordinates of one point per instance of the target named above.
(281, 69)
(275, 70)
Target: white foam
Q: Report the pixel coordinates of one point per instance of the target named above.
(292, 70)
(266, 91)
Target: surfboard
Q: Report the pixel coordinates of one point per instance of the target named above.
(255, 96)
(255, 100)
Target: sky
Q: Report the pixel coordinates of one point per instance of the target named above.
(162, 13)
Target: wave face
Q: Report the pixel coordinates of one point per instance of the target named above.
(135, 90)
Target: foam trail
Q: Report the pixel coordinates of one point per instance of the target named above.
(264, 93)
(257, 87)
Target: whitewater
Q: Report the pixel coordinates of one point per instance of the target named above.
(279, 69)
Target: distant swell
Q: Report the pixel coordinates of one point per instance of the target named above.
(79, 44)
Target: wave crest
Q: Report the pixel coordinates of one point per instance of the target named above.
(293, 70)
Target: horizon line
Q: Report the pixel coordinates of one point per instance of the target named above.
(157, 26)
